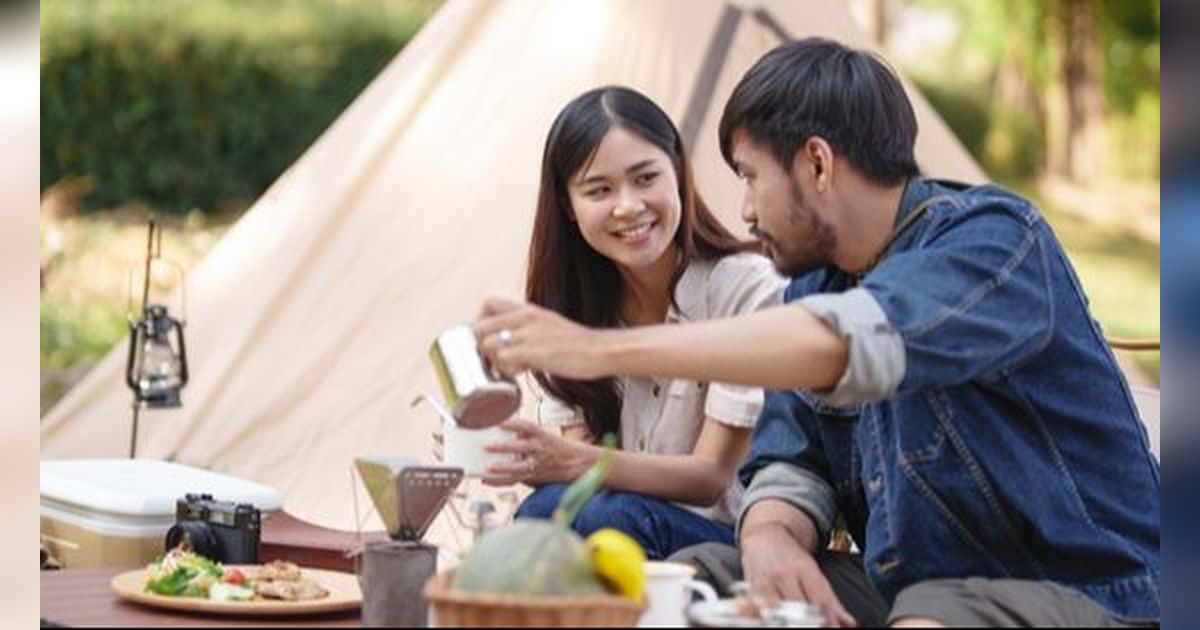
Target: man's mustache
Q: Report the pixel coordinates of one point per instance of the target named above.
(759, 234)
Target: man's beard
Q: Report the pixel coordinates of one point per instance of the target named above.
(814, 243)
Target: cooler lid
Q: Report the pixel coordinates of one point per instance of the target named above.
(143, 487)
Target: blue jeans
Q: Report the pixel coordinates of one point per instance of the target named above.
(659, 526)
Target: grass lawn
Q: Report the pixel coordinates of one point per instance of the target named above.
(86, 261)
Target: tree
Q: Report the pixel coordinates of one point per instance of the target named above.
(1081, 73)
(872, 14)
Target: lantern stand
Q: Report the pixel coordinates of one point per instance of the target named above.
(156, 368)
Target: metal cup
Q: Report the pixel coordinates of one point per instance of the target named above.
(476, 397)
(393, 575)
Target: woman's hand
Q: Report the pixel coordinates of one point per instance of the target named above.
(540, 457)
(515, 337)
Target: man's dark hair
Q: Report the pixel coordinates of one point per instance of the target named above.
(818, 87)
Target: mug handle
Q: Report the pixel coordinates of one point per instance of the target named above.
(703, 589)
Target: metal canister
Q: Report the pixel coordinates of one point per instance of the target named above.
(392, 577)
(477, 399)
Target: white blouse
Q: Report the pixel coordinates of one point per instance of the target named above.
(665, 416)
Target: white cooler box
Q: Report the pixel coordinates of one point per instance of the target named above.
(116, 512)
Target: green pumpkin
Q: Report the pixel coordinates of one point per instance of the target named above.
(537, 557)
(529, 557)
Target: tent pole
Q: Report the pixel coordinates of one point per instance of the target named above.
(134, 432)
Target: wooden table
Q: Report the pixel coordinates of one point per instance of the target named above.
(82, 597)
(285, 537)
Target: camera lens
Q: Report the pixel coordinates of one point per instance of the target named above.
(196, 536)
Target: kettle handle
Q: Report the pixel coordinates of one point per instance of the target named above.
(437, 406)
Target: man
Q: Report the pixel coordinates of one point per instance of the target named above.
(940, 384)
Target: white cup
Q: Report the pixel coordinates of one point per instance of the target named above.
(464, 448)
(669, 589)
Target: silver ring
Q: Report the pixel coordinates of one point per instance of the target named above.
(505, 336)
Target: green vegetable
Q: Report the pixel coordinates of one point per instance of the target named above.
(171, 584)
(181, 573)
(584, 488)
(539, 557)
(201, 565)
(529, 557)
(194, 589)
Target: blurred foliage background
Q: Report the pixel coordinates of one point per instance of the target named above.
(185, 109)
(1060, 87)
(1060, 100)
(195, 104)
(189, 109)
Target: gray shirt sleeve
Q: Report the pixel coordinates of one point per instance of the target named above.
(797, 486)
(876, 362)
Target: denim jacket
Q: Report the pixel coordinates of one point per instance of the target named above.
(982, 426)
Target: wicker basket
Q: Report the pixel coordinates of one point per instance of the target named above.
(461, 609)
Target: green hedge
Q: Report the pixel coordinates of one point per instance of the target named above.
(193, 103)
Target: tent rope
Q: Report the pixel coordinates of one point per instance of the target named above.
(1134, 344)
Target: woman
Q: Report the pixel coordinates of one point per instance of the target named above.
(621, 238)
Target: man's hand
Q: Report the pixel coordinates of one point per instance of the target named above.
(515, 337)
(777, 565)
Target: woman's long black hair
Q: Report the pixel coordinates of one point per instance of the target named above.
(565, 273)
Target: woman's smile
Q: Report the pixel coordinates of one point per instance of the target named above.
(636, 234)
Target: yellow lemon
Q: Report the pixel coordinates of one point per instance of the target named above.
(618, 559)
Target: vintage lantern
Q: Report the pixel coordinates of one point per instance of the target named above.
(156, 369)
(157, 366)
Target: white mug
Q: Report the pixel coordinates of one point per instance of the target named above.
(463, 447)
(669, 589)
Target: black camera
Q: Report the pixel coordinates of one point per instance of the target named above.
(227, 532)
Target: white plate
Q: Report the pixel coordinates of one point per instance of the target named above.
(724, 613)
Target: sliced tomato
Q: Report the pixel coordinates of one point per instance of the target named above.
(233, 576)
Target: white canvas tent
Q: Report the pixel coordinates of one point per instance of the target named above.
(309, 323)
